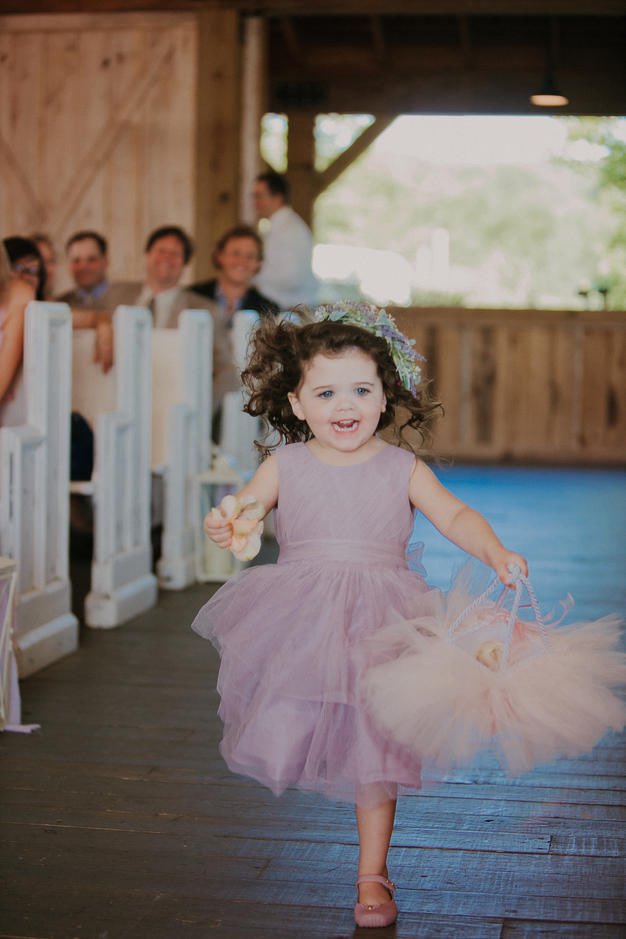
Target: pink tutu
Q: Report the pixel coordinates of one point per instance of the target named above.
(475, 677)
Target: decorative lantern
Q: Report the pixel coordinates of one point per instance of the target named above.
(212, 562)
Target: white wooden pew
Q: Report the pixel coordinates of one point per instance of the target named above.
(180, 424)
(34, 503)
(118, 404)
(181, 449)
(181, 436)
(234, 463)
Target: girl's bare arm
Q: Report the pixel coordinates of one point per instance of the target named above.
(461, 524)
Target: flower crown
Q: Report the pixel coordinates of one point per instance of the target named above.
(381, 323)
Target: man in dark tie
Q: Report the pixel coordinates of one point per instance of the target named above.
(168, 251)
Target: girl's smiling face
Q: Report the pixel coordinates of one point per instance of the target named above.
(341, 399)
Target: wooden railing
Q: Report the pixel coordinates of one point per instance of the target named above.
(525, 385)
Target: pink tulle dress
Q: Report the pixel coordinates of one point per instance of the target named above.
(294, 636)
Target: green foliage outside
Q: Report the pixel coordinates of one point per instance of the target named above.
(609, 182)
(520, 235)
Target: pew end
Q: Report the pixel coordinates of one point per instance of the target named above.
(118, 404)
(34, 474)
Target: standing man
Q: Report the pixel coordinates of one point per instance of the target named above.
(286, 276)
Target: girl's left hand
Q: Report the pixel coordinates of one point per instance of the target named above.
(504, 560)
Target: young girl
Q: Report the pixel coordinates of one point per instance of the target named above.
(293, 636)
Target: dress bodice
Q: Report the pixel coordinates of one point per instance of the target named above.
(355, 513)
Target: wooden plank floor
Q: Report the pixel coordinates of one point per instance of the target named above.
(119, 820)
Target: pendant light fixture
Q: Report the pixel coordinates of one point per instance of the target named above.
(548, 96)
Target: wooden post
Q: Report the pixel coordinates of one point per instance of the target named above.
(301, 163)
(218, 129)
(253, 107)
(347, 157)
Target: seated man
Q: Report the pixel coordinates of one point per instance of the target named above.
(93, 297)
(168, 251)
(237, 257)
(88, 262)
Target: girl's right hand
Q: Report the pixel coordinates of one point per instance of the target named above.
(218, 528)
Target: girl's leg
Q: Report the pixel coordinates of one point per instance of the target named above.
(375, 826)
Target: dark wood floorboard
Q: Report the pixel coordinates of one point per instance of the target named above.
(120, 821)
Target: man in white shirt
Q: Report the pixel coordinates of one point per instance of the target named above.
(286, 276)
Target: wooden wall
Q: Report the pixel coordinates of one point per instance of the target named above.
(538, 385)
(97, 127)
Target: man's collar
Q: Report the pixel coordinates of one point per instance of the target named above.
(163, 295)
(94, 293)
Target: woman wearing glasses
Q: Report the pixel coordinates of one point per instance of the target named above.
(27, 263)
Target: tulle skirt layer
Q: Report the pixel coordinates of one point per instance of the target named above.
(293, 643)
(449, 700)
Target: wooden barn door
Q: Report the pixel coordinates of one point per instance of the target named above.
(97, 127)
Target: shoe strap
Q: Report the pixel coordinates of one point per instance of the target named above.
(377, 879)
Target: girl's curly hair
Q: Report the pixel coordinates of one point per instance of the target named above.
(279, 355)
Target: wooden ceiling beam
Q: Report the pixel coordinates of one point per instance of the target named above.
(349, 155)
(103, 6)
(409, 60)
(463, 91)
(430, 7)
(414, 59)
(330, 7)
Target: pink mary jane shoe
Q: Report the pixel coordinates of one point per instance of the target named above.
(382, 914)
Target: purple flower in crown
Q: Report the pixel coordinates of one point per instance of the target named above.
(379, 322)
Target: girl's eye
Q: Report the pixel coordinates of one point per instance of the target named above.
(362, 391)
(326, 394)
